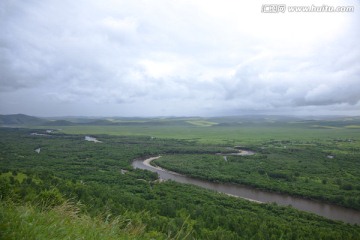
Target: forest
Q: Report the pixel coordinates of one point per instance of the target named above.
(56, 185)
(327, 170)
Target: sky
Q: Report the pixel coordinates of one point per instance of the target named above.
(177, 58)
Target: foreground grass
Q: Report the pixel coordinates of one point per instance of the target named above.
(65, 222)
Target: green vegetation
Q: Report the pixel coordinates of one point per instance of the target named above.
(65, 222)
(225, 130)
(327, 171)
(202, 123)
(77, 189)
(225, 135)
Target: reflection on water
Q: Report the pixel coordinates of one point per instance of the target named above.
(322, 209)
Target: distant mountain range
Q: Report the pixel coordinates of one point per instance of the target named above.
(25, 120)
(20, 119)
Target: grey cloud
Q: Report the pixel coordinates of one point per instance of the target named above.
(283, 86)
(128, 53)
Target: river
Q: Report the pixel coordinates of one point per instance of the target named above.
(323, 209)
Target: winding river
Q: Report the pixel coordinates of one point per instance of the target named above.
(323, 209)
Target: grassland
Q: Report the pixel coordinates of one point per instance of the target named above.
(221, 134)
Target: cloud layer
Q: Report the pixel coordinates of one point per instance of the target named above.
(176, 58)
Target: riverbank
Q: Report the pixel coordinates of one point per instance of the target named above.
(323, 209)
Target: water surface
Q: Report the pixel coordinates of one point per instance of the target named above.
(323, 209)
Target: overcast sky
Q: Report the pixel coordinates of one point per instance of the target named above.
(177, 57)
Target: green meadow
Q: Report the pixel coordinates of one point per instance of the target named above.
(242, 133)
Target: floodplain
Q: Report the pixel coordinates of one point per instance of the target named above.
(94, 180)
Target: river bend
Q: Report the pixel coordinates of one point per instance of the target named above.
(323, 209)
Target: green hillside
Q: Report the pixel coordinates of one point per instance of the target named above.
(20, 119)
